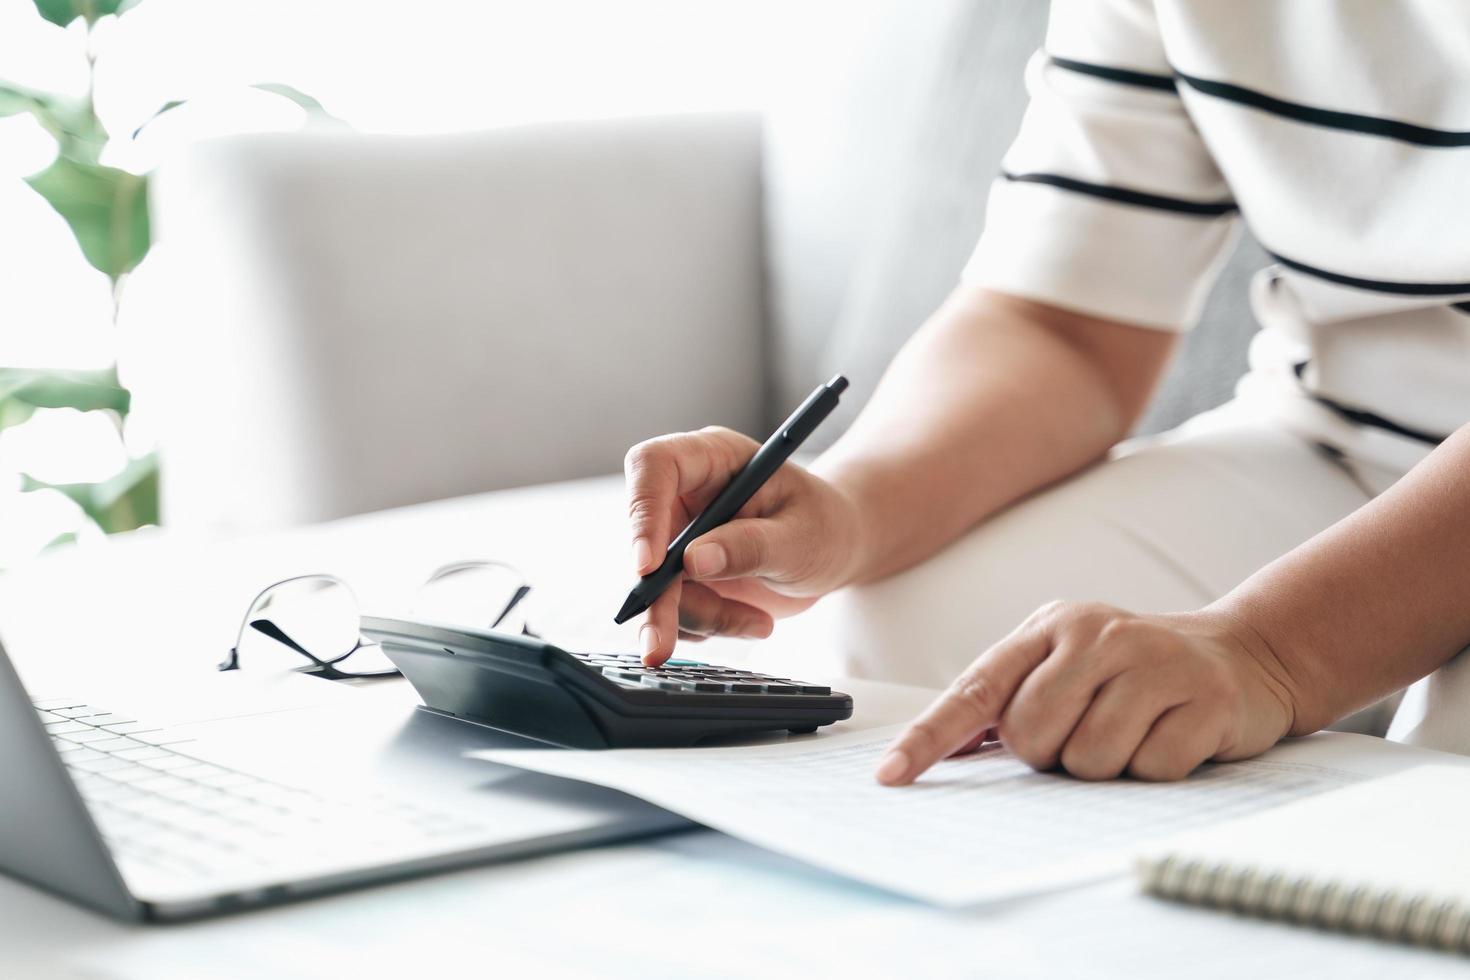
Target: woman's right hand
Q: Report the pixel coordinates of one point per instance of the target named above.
(796, 540)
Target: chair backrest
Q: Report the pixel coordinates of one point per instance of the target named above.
(354, 322)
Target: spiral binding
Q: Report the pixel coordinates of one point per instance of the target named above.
(1424, 920)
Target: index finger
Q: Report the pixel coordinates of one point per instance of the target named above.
(973, 703)
(660, 630)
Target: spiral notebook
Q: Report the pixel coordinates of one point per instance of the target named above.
(1388, 857)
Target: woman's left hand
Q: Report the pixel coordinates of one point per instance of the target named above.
(1100, 692)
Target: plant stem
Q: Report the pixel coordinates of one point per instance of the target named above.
(91, 68)
(124, 192)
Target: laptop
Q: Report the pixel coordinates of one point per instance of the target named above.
(247, 806)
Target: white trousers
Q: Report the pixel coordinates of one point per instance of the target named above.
(1166, 523)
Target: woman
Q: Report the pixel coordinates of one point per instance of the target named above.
(1318, 527)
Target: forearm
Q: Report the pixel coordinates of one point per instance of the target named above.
(992, 398)
(1376, 601)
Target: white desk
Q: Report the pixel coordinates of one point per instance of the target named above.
(690, 904)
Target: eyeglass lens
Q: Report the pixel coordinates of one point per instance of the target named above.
(481, 594)
(315, 616)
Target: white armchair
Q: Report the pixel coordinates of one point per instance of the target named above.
(360, 322)
(346, 322)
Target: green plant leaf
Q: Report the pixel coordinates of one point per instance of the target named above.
(22, 390)
(70, 120)
(14, 412)
(63, 12)
(124, 501)
(106, 208)
(15, 100)
(15, 377)
(168, 106)
(76, 127)
(312, 106)
(61, 540)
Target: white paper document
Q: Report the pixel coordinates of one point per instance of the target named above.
(973, 829)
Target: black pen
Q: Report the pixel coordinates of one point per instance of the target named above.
(742, 486)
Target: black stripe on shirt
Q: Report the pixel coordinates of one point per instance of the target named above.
(1354, 122)
(1362, 417)
(1397, 287)
(1462, 307)
(1329, 118)
(1123, 76)
(1123, 195)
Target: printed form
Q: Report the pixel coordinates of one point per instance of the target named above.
(979, 828)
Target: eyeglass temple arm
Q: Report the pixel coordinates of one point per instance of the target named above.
(515, 600)
(273, 631)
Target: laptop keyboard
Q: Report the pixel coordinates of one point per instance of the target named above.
(158, 806)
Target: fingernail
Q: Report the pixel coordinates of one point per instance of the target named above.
(756, 631)
(893, 767)
(706, 559)
(642, 555)
(649, 636)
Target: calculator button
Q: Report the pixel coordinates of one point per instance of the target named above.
(663, 684)
(684, 663)
(707, 687)
(742, 687)
(802, 687)
(781, 689)
(622, 674)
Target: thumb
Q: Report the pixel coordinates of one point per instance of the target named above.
(745, 548)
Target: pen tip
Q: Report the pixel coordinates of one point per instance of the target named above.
(632, 606)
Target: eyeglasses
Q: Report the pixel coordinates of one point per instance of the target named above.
(317, 617)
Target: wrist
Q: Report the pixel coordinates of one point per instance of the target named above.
(857, 523)
(1236, 627)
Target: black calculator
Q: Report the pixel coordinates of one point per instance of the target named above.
(525, 686)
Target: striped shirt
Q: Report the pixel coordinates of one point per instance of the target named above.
(1338, 130)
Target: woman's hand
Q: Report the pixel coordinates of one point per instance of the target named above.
(1100, 692)
(794, 541)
